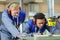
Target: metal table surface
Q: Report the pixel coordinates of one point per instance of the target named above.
(41, 37)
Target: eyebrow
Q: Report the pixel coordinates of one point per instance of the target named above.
(41, 23)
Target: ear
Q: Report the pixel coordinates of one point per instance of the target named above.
(34, 21)
(20, 8)
(9, 11)
(45, 19)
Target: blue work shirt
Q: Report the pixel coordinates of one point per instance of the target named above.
(7, 21)
(30, 27)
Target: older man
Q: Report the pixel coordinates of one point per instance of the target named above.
(11, 19)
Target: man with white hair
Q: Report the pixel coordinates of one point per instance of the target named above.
(11, 19)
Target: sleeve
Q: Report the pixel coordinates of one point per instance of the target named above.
(56, 31)
(25, 28)
(22, 15)
(51, 29)
(8, 24)
(48, 28)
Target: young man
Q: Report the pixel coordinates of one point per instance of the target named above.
(57, 29)
(11, 19)
(58, 23)
(38, 24)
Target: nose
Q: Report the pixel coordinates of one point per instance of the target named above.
(15, 10)
(41, 24)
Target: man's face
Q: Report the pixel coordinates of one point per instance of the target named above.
(59, 19)
(14, 10)
(40, 23)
